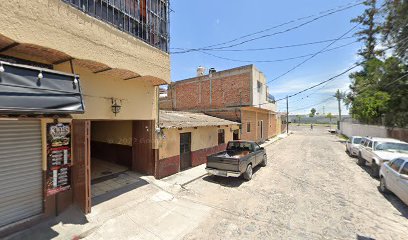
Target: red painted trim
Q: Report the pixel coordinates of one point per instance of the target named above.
(168, 166)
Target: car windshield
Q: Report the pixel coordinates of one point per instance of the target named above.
(357, 140)
(239, 146)
(392, 147)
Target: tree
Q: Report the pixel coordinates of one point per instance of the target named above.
(298, 118)
(312, 112)
(395, 27)
(330, 116)
(370, 30)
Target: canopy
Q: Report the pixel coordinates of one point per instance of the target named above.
(30, 90)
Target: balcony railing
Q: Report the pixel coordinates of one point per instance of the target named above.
(147, 20)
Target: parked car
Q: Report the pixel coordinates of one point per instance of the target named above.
(353, 146)
(394, 178)
(376, 151)
(239, 159)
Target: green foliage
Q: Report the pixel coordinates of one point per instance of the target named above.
(330, 116)
(379, 90)
(395, 27)
(312, 112)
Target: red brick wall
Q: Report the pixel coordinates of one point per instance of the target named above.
(225, 92)
(167, 167)
(200, 156)
(233, 114)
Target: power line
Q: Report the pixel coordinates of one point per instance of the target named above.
(323, 82)
(276, 60)
(314, 55)
(267, 35)
(277, 47)
(314, 105)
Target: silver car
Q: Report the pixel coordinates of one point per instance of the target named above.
(394, 178)
(352, 146)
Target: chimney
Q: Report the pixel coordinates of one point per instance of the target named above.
(200, 71)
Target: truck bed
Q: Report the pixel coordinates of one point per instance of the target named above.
(227, 160)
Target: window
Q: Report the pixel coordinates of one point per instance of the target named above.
(356, 140)
(257, 147)
(362, 142)
(384, 146)
(404, 170)
(221, 136)
(396, 164)
(370, 144)
(248, 127)
(259, 85)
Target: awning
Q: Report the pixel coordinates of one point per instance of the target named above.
(30, 90)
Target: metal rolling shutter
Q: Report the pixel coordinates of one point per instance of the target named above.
(21, 185)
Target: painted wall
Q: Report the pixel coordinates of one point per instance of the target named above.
(56, 25)
(202, 137)
(259, 96)
(138, 98)
(113, 132)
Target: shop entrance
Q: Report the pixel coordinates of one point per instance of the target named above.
(109, 158)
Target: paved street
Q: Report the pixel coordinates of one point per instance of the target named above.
(310, 190)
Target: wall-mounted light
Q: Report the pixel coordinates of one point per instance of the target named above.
(40, 75)
(115, 107)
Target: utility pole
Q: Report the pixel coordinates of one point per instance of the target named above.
(323, 110)
(287, 114)
(339, 97)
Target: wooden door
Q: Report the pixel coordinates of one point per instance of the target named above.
(185, 151)
(143, 159)
(81, 169)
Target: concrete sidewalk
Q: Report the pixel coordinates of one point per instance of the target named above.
(177, 181)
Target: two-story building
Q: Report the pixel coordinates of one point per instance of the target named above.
(239, 94)
(78, 88)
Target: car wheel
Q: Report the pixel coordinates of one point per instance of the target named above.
(264, 161)
(383, 186)
(248, 173)
(375, 170)
(361, 160)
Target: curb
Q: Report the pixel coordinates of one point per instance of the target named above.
(192, 180)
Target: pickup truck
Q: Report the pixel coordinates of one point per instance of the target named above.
(239, 159)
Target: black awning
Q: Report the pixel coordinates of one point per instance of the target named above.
(26, 89)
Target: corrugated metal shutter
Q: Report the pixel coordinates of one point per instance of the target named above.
(21, 184)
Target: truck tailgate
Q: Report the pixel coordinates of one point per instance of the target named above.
(227, 164)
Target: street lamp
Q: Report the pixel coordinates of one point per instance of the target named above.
(115, 107)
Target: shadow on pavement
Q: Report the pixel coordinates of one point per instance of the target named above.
(116, 192)
(397, 203)
(359, 237)
(72, 216)
(230, 182)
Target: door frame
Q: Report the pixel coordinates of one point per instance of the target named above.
(190, 159)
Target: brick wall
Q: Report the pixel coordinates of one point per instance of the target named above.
(195, 93)
(232, 114)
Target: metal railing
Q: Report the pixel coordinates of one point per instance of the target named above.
(148, 20)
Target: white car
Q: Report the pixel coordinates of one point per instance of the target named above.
(353, 146)
(394, 178)
(375, 151)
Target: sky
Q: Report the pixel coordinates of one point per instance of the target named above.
(197, 23)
